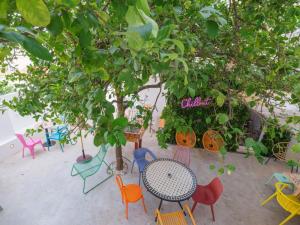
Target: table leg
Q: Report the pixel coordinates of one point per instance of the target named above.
(182, 208)
(159, 207)
(136, 145)
(140, 143)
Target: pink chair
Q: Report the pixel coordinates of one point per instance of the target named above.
(30, 144)
(208, 194)
(183, 155)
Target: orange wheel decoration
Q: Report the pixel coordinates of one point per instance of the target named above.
(187, 139)
(212, 141)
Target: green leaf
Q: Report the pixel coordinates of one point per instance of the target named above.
(3, 9)
(222, 118)
(220, 99)
(144, 30)
(143, 5)
(164, 32)
(212, 28)
(185, 66)
(250, 89)
(34, 12)
(121, 138)
(192, 92)
(75, 76)
(85, 38)
(147, 19)
(133, 17)
(179, 44)
(69, 3)
(36, 49)
(13, 37)
(98, 139)
(296, 148)
(208, 120)
(120, 122)
(103, 74)
(221, 171)
(56, 25)
(135, 41)
(212, 167)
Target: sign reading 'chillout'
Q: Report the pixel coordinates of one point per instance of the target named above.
(197, 102)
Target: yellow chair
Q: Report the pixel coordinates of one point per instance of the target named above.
(174, 218)
(290, 203)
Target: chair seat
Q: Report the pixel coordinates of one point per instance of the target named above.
(173, 218)
(203, 195)
(87, 169)
(33, 141)
(133, 192)
(292, 204)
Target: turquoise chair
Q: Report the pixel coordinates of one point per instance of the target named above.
(87, 169)
(280, 177)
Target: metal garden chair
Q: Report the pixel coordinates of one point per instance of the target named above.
(87, 169)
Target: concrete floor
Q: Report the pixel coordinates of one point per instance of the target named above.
(42, 192)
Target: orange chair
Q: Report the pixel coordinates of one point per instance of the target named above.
(130, 193)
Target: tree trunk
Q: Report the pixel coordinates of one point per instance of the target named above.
(119, 157)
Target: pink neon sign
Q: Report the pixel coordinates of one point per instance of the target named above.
(197, 102)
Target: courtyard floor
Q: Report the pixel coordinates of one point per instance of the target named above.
(42, 191)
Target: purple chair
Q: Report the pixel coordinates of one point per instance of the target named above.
(140, 159)
(29, 144)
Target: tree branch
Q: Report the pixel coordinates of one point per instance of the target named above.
(158, 85)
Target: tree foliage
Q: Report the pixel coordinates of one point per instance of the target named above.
(88, 55)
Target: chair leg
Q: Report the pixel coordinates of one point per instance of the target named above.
(43, 146)
(288, 218)
(212, 212)
(23, 152)
(194, 206)
(61, 147)
(145, 209)
(268, 199)
(139, 179)
(126, 210)
(132, 165)
(32, 152)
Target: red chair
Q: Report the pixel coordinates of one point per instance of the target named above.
(208, 194)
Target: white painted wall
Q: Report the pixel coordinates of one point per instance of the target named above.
(11, 123)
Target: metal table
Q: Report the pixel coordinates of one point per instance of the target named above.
(169, 180)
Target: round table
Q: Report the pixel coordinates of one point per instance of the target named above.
(169, 180)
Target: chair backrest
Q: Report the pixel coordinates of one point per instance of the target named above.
(140, 154)
(102, 152)
(21, 139)
(216, 187)
(121, 187)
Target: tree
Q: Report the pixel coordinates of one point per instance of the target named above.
(88, 55)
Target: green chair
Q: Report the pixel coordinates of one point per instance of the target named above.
(89, 168)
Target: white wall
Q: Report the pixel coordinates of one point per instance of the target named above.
(11, 123)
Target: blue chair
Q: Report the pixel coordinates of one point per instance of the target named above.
(140, 159)
(60, 133)
(280, 177)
